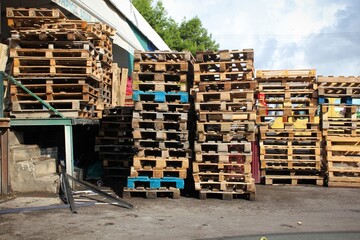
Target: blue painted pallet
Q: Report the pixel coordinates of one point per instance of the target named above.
(160, 96)
(340, 100)
(155, 182)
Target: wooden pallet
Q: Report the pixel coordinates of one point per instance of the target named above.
(37, 13)
(46, 53)
(219, 177)
(344, 127)
(173, 193)
(206, 116)
(225, 55)
(160, 134)
(290, 134)
(44, 113)
(166, 172)
(292, 177)
(229, 96)
(162, 107)
(168, 67)
(337, 179)
(33, 42)
(159, 163)
(225, 137)
(293, 180)
(342, 155)
(287, 84)
(224, 76)
(56, 92)
(210, 106)
(298, 73)
(288, 145)
(164, 116)
(226, 168)
(159, 86)
(49, 35)
(218, 86)
(266, 114)
(57, 70)
(225, 127)
(268, 124)
(104, 28)
(227, 195)
(223, 66)
(164, 153)
(288, 98)
(291, 164)
(159, 125)
(339, 86)
(221, 147)
(239, 187)
(181, 78)
(68, 80)
(223, 157)
(172, 144)
(162, 56)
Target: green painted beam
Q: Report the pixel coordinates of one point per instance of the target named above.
(41, 122)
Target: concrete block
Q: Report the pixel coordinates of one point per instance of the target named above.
(24, 152)
(44, 166)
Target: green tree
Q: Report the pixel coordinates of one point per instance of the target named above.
(195, 37)
(189, 35)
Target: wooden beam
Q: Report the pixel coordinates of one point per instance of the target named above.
(123, 84)
(3, 56)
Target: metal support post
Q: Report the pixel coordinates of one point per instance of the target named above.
(69, 154)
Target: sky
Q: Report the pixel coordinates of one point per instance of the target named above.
(285, 34)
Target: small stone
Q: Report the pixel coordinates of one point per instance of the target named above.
(299, 223)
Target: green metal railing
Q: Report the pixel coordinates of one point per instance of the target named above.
(7, 76)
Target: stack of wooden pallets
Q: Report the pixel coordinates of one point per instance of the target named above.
(160, 123)
(224, 103)
(114, 142)
(290, 136)
(339, 98)
(67, 63)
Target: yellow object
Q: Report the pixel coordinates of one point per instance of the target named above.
(278, 123)
(333, 111)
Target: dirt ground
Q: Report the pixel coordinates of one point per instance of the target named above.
(278, 209)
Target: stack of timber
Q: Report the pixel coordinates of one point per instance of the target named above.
(114, 143)
(65, 62)
(290, 136)
(224, 102)
(339, 98)
(160, 122)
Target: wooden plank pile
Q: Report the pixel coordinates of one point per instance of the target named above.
(224, 102)
(340, 111)
(65, 62)
(114, 143)
(290, 136)
(160, 123)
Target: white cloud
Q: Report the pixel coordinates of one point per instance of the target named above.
(280, 31)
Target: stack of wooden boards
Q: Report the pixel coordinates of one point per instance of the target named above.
(160, 123)
(224, 103)
(340, 111)
(65, 62)
(114, 142)
(290, 135)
